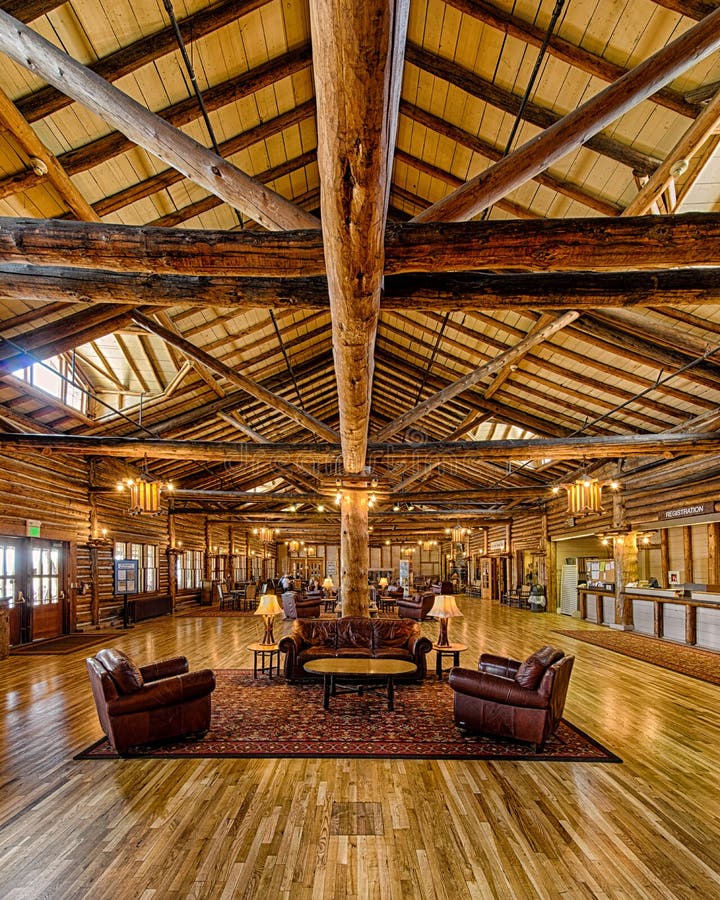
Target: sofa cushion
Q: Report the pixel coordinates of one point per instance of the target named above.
(316, 632)
(355, 652)
(126, 675)
(354, 631)
(389, 633)
(532, 670)
(312, 653)
(394, 653)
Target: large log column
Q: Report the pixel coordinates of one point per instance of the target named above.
(626, 570)
(354, 553)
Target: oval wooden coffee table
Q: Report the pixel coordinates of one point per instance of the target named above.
(349, 674)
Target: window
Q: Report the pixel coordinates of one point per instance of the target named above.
(45, 575)
(189, 569)
(58, 377)
(146, 555)
(7, 574)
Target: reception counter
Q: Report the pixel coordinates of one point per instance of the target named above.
(683, 615)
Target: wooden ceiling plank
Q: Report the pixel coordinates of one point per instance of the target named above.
(149, 130)
(31, 145)
(560, 48)
(577, 127)
(537, 115)
(126, 60)
(186, 111)
(228, 148)
(246, 384)
(358, 62)
(478, 145)
(507, 370)
(701, 130)
(476, 375)
(582, 244)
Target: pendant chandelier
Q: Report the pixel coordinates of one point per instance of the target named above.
(585, 496)
(144, 495)
(266, 535)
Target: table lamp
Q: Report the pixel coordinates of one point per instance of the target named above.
(328, 584)
(268, 608)
(382, 583)
(444, 608)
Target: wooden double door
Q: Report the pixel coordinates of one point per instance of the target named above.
(33, 587)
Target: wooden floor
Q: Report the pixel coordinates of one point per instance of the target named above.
(649, 827)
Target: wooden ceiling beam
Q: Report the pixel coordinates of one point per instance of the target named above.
(162, 181)
(126, 60)
(149, 130)
(478, 374)
(540, 116)
(274, 401)
(562, 49)
(186, 111)
(483, 148)
(357, 66)
(643, 242)
(604, 447)
(42, 158)
(701, 130)
(62, 336)
(579, 126)
(458, 291)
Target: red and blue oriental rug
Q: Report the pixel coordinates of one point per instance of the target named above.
(272, 718)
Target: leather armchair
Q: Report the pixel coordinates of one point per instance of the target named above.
(416, 607)
(519, 700)
(295, 606)
(148, 704)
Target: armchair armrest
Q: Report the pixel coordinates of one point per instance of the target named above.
(164, 668)
(494, 688)
(498, 665)
(419, 644)
(291, 643)
(165, 692)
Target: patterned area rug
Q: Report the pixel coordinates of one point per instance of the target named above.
(68, 643)
(701, 664)
(273, 718)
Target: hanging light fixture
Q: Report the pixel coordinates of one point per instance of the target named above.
(266, 535)
(144, 495)
(585, 495)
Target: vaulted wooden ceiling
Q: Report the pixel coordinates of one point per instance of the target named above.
(267, 224)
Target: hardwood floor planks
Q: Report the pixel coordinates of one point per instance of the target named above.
(227, 828)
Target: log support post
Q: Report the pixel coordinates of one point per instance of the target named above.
(354, 553)
(688, 562)
(172, 555)
(626, 570)
(691, 624)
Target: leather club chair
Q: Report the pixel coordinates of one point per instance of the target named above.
(416, 607)
(295, 606)
(148, 704)
(519, 700)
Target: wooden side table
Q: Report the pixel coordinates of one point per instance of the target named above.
(453, 650)
(266, 653)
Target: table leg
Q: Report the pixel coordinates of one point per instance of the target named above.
(438, 664)
(327, 684)
(391, 692)
(255, 656)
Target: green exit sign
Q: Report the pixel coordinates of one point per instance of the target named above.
(32, 528)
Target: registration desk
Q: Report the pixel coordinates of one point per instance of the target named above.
(685, 614)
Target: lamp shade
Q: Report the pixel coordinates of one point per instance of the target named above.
(382, 582)
(444, 609)
(328, 583)
(268, 606)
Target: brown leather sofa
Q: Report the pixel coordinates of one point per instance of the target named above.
(354, 636)
(519, 700)
(417, 606)
(295, 606)
(147, 704)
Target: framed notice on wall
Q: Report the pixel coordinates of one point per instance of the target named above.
(126, 576)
